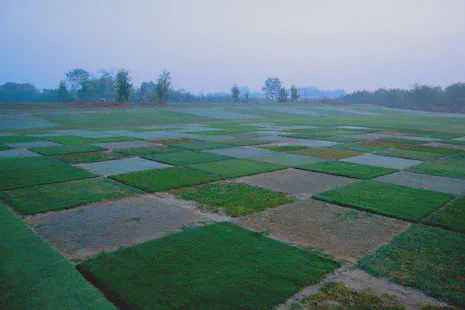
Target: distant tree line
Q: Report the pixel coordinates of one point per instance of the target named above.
(418, 97)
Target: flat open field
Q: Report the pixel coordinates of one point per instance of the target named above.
(230, 206)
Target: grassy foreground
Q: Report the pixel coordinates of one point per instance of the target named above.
(35, 276)
(220, 266)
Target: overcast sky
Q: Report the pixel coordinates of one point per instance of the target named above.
(208, 45)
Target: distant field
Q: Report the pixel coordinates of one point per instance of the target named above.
(145, 200)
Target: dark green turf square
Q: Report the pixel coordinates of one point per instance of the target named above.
(35, 276)
(142, 151)
(433, 149)
(70, 140)
(67, 149)
(346, 169)
(451, 216)
(164, 179)
(186, 158)
(245, 142)
(452, 167)
(430, 259)
(389, 199)
(234, 199)
(220, 266)
(90, 157)
(423, 156)
(203, 145)
(58, 196)
(232, 168)
(17, 139)
(22, 172)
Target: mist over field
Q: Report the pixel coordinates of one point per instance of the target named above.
(210, 45)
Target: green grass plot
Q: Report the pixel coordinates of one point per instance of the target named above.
(67, 149)
(232, 168)
(165, 179)
(220, 266)
(346, 169)
(234, 199)
(451, 216)
(389, 199)
(64, 195)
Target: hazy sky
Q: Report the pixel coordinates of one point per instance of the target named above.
(208, 45)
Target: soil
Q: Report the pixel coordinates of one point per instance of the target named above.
(343, 233)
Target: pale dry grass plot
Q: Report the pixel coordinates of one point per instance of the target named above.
(382, 161)
(27, 145)
(126, 145)
(446, 145)
(296, 182)
(18, 153)
(424, 181)
(104, 227)
(343, 233)
(120, 166)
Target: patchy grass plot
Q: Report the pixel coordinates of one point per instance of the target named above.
(233, 198)
(296, 182)
(328, 153)
(120, 166)
(22, 172)
(394, 200)
(447, 167)
(351, 170)
(283, 148)
(423, 156)
(35, 276)
(86, 231)
(451, 216)
(90, 157)
(343, 233)
(430, 259)
(219, 266)
(203, 145)
(232, 168)
(142, 151)
(186, 158)
(433, 149)
(165, 179)
(67, 149)
(336, 295)
(58, 196)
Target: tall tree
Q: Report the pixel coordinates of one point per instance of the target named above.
(63, 94)
(283, 95)
(235, 92)
(76, 77)
(123, 86)
(294, 94)
(163, 87)
(271, 88)
(246, 95)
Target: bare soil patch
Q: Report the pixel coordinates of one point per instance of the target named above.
(342, 233)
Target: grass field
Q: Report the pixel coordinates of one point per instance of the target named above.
(219, 266)
(451, 216)
(164, 179)
(430, 259)
(351, 170)
(447, 167)
(21, 172)
(234, 199)
(143, 220)
(67, 149)
(397, 201)
(58, 196)
(88, 157)
(35, 276)
(233, 168)
(186, 158)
